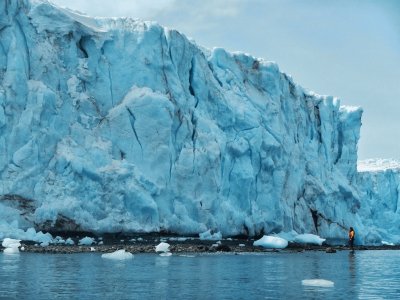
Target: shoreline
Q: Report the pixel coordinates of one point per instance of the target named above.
(147, 244)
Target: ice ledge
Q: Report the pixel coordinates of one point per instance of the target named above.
(377, 165)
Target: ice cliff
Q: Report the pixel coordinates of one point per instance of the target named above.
(112, 125)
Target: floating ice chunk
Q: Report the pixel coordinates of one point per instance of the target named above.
(308, 238)
(118, 255)
(92, 249)
(22, 248)
(162, 247)
(44, 244)
(166, 254)
(242, 245)
(87, 241)
(11, 243)
(101, 243)
(271, 242)
(317, 282)
(207, 235)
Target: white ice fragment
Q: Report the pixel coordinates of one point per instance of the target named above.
(317, 282)
(92, 249)
(242, 245)
(11, 243)
(162, 247)
(118, 255)
(101, 243)
(87, 241)
(140, 239)
(271, 242)
(308, 238)
(387, 243)
(44, 244)
(22, 248)
(166, 254)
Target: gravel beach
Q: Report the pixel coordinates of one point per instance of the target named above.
(146, 244)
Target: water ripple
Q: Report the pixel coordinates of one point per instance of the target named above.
(363, 275)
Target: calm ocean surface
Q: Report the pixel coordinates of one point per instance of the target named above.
(363, 275)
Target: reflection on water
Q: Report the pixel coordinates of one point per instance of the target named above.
(363, 274)
(9, 270)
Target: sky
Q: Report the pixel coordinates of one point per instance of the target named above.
(346, 48)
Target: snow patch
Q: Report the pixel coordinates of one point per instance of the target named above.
(377, 165)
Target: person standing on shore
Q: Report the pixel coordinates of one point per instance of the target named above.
(351, 238)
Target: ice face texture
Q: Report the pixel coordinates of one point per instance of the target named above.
(113, 125)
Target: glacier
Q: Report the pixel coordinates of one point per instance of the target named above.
(122, 125)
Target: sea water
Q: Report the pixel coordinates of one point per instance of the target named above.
(359, 275)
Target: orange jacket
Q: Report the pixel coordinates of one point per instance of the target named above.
(351, 234)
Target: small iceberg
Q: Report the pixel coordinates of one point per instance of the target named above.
(118, 255)
(11, 243)
(11, 246)
(162, 247)
(273, 242)
(317, 283)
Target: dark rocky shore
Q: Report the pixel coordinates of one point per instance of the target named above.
(146, 244)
